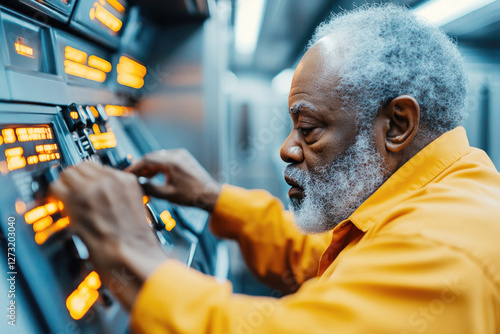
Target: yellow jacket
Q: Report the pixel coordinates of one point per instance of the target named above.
(421, 255)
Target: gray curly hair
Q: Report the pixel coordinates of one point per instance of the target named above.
(389, 52)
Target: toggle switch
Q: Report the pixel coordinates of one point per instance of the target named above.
(74, 117)
(103, 116)
(90, 116)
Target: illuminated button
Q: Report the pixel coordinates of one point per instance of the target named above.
(32, 160)
(16, 162)
(22, 49)
(42, 236)
(1, 140)
(94, 112)
(12, 152)
(42, 224)
(37, 213)
(93, 281)
(96, 129)
(145, 199)
(130, 73)
(81, 300)
(105, 17)
(117, 5)
(103, 140)
(100, 64)
(75, 55)
(73, 117)
(9, 136)
(41, 212)
(112, 110)
(83, 71)
(167, 219)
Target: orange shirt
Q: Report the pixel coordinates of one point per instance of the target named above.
(421, 255)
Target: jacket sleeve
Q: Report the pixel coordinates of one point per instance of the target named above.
(272, 246)
(393, 286)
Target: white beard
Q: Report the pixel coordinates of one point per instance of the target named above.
(333, 192)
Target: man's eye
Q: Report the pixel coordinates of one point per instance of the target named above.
(305, 131)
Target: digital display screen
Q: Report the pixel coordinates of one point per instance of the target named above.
(26, 147)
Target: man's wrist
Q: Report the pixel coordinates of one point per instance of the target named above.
(132, 270)
(209, 197)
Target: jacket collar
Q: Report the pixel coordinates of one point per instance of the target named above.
(413, 175)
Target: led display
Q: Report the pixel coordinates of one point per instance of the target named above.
(24, 147)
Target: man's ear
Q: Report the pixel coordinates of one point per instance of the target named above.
(402, 117)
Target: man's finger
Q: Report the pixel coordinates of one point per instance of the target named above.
(59, 190)
(72, 178)
(161, 191)
(149, 167)
(89, 169)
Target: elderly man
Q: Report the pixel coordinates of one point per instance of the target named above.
(376, 158)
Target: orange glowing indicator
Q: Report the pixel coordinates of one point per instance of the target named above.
(16, 162)
(42, 236)
(94, 111)
(98, 12)
(96, 129)
(112, 110)
(100, 64)
(75, 55)
(46, 148)
(116, 5)
(32, 160)
(145, 199)
(130, 73)
(83, 71)
(9, 136)
(103, 140)
(76, 64)
(41, 212)
(34, 133)
(14, 156)
(22, 49)
(12, 152)
(167, 219)
(42, 224)
(1, 140)
(82, 299)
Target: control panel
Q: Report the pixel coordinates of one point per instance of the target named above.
(63, 82)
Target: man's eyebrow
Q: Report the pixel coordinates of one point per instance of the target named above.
(298, 107)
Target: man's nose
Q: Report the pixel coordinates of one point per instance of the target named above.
(291, 151)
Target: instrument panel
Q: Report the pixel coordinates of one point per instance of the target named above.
(62, 92)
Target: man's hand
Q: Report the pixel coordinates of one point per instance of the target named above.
(106, 211)
(186, 181)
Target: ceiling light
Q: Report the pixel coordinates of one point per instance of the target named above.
(249, 15)
(441, 12)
